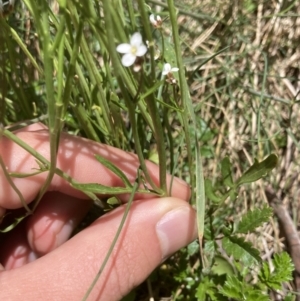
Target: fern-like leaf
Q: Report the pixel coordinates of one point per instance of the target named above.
(253, 219)
(283, 268)
(239, 290)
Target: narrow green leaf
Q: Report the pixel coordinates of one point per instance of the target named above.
(115, 170)
(258, 170)
(227, 172)
(241, 250)
(200, 197)
(253, 219)
(25, 175)
(150, 90)
(101, 189)
(14, 224)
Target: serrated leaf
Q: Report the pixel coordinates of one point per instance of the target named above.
(241, 250)
(221, 266)
(258, 170)
(284, 266)
(290, 297)
(206, 287)
(226, 172)
(233, 288)
(283, 269)
(239, 290)
(253, 219)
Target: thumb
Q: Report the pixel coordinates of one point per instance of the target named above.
(154, 229)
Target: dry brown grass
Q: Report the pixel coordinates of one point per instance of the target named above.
(250, 95)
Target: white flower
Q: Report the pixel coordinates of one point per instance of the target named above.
(132, 50)
(168, 69)
(155, 21)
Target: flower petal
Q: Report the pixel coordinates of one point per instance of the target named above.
(142, 49)
(124, 48)
(136, 39)
(128, 59)
(174, 69)
(152, 19)
(166, 69)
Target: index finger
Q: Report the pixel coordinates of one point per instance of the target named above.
(76, 157)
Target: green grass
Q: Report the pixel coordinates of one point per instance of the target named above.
(237, 95)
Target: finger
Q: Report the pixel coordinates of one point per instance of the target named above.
(51, 225)
(54, 220)
(153, 230)
(76, 156)
(15, 250)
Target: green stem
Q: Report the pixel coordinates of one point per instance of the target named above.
(44, 162)
(113, 244)
(131, 110)
(50, 93)
(187, 103)
(123, 80)
(14, 187)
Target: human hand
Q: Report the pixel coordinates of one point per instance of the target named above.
(40, 263)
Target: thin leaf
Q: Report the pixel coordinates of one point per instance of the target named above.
(115, 170)
(200, 197)
(101, 189)
(258, 170)
(14, 224)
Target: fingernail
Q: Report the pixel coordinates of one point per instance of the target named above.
(57, 232)
(17, 259)
(63, 233)
(32, 256)
(175, 230)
